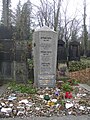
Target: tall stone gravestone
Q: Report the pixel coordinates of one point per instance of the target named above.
(45, 56)
(74, 51)
(20, 72)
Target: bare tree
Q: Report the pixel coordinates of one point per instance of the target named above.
(69, 26)
(26, 19)
(18, 20)
(44, 13)
(57, 15)
(85, 29)
(23, 20)
(48, 13)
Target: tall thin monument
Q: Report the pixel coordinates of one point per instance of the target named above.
(45, 57)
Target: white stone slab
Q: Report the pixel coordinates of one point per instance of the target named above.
(85, 86)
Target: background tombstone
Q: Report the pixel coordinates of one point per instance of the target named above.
(74, 50)
(6, 32)
(62, 57)
(20, 62)
(13, 57)
(88, 53)
(61, 53)
(6, 59)
(45, 56)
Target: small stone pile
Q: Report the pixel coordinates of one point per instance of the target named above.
(46, 102)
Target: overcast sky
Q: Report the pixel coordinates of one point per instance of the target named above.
(73, 5)
(15, 2)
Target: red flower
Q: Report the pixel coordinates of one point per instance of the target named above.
(68, 95)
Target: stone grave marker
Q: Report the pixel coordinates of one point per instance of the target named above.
(20, 64)
(6, 59)
(74, 51)
(45, 56)
(61, 52)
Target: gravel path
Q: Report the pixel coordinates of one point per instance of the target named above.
(83, 117)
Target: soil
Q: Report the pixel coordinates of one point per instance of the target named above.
(83, 76)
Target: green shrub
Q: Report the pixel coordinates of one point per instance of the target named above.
(73, 81)
(67, 87)
(62, 103)
(77, 65)
(30, 63)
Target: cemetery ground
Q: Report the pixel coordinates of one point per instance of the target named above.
(68, 98)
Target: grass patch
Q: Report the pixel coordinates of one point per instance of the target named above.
(23, 88)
